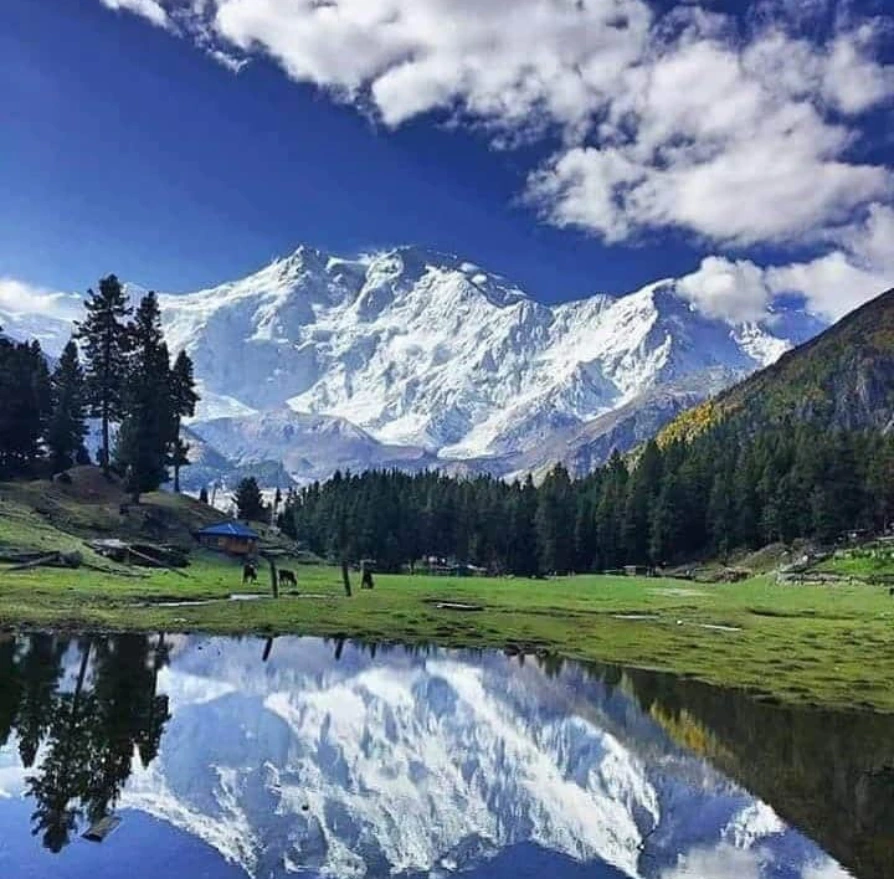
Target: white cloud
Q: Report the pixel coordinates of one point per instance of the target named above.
(690, 120)
(150, 9)
(728, 862)
(720, 142)
(844, 278)
(17, 297)
(734, 290)
(736, 131)
(724, 862)
(858, 266)
(228, 60)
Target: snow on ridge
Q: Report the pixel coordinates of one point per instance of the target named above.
(425, 349)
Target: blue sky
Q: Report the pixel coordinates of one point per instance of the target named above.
(575, 147)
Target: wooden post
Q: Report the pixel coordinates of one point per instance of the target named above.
(346, 577)
(274, 579)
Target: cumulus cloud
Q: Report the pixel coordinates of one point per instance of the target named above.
(17, 297)
(840, 280)
(149, 9)
(723, 862)
(857, 266)
(727, 862)
(730, 144)
(732, 290)
(737, 131)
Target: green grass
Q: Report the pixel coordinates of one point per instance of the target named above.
(859, 565)
(822, 645)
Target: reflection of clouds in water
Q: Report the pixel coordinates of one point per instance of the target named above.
(829, 870)
(727, 862)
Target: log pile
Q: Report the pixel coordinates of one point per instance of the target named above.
(24, 561)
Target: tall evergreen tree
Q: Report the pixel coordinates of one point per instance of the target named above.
(67, 427)
(25, 401)
(106, 340)
(143, 440)
(249, 500)
(183, 399)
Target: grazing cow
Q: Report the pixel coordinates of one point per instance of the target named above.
(287, 577)
(249, 574)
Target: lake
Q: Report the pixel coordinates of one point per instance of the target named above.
(221, 758)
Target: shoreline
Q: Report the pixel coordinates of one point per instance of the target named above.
(825, 647)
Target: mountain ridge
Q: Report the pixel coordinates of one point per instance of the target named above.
(427, 351)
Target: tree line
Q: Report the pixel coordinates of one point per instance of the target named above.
(126, 379)
(722, 491)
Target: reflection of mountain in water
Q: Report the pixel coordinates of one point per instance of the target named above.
(423, 765)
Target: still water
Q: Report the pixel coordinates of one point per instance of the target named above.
(225, 758)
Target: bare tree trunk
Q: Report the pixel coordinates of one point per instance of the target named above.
(346, 577)
(176, 478)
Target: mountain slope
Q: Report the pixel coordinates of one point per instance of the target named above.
(426, 351)
(843, 378)
(309, 446)
(51, 332)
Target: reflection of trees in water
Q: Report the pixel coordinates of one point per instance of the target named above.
(830, 774)
(88, 735)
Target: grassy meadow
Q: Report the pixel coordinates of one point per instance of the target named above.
(823, 645)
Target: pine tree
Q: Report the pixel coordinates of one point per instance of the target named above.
(183, 405)
(106, 344)
(67, 427)
(249, 500)
(25, 403)
(143, 440)
(643, 488)
(178, 458)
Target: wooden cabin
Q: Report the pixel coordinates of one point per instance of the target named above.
(233, 538)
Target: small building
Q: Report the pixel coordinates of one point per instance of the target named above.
(230, 537)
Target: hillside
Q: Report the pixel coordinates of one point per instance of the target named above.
(843, 378)
(60, 515)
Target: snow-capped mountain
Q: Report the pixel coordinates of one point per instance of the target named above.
(52, 332)
(427, 351)
(408, 355)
